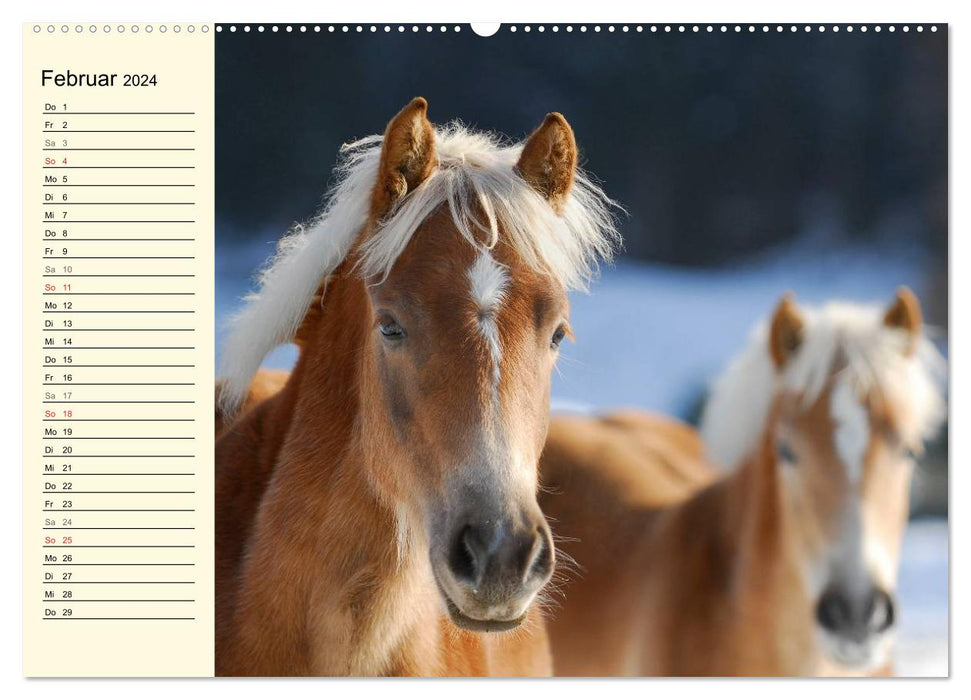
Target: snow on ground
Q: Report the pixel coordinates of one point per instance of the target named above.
(922, 640)
(655, 336)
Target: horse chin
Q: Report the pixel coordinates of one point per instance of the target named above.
(475, 623)
(855, 656)
(460, 619)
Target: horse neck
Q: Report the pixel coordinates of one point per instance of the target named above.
(332, 416)
(766, 574)
(743, 517)
(339, 418)
(324, 475)
(756, 491)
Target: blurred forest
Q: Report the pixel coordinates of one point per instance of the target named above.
(718, 145)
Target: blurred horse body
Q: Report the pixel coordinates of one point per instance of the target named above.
(376, 514)
(784, 566)
(264, 384)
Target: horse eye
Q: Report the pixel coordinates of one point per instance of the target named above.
(558, 336)
(785, 453)
(390, 329)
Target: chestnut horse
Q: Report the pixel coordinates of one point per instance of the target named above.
(785, 565)
(378, 514)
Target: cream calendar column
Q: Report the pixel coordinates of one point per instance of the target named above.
(118, 335)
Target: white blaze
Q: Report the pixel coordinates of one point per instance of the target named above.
(488, 281)
(852, 434)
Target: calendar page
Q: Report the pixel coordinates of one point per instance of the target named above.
(485, 350)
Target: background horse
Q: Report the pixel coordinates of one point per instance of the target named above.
(377, 515)
(786, 565)
(265, 383)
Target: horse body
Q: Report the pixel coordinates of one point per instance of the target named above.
(377, 515)
(265, 384)
(784, 566)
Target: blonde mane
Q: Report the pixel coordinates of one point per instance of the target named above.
(475, 177)
(875, 359)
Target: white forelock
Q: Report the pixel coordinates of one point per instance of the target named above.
(475, 178)
(872, 357)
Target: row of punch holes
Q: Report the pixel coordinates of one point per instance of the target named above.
(625, 28)
(120, 28)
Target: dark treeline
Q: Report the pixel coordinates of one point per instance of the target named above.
(718, 145)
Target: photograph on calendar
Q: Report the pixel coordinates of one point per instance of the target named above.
(590, 350)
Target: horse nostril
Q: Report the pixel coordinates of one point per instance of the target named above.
(833, 612)
(880, 612)
(539, 562)
(856, 616)
(491, 559)
(464, 556)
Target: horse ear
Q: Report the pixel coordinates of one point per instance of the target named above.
(786, 332)
(905, 314)
(407, 156)
(548, 161)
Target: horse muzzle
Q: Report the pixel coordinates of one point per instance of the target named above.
(856, 626)
(492, 571)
